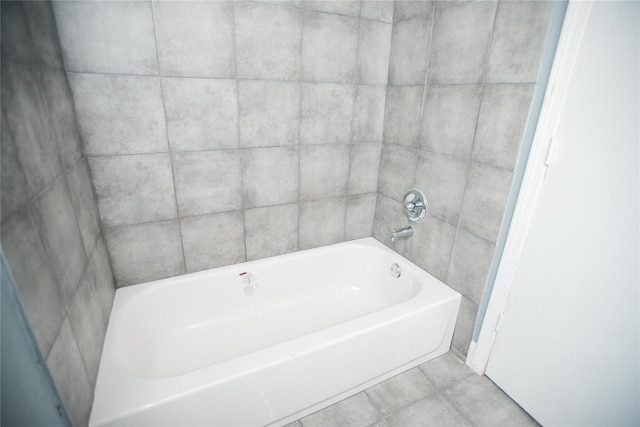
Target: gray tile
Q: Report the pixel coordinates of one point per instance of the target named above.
(329, 48)
(100, 268)
(410, 51)
(373, 51)
(397, 169)
(202, 114)
(326, 113)
(268, 40)
(485, 199)
(482, 402)
(16, 41)
(465, 324)
(322, 222)
(344, 7)
(195, 39)
(88, 326)
(460, 41)
(207, 182)
(61, 237)
(324, 171)
(518, 41)
(446, 370)
(84, 204)
(14, 190)
(442, 179)
(379, 10)
(433, 411)
(359, 218)
(368, 113)
(388, 215)
(144, 252)
(402, 115)
(35, 278)
(407, 9)
(470, 265)
(269, 113)
(270, 176)
(211, 241)
(70, 377)
(364, 167)
(431, 246)
(107, 37)
(119, 114)
(296, 423)
(449, 120)
(133, 189)
(400, 391)
(270, 231)
(354, 411)
(44, 34)
(503, 116)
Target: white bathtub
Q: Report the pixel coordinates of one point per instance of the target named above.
(320, 325)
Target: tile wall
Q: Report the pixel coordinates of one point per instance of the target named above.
(218, 132)
(49, 218)
(461, 80)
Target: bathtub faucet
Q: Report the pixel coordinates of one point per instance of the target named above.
(406, 231)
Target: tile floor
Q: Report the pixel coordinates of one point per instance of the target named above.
(441, 392)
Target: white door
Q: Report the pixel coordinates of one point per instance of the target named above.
(567, 347)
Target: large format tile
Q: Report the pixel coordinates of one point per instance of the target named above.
(324, 171)
(133, 189)
(402, 115)
(518, 41)
(364, 167)
(144, 252)
(449, 120)
(329, 48)
(388, 215)
(503, 116)
(107, 37)
(119, 114)
(461, 38)
(433, 411)
(378, 10)
(84, 204)
(202, 114)
(42, 27)
(271, 230)
(359, 218)
(368, 113)
(207, 182)
(211, 241)
(268, 40)
(195, 39)
(269, 113)
(446, 370)
(354, 411)
(469, 268)
(326, 113)
(397, 169)
(270, 176)
(407, 9)
(322, 222)
(343, 7)
(373, 51)
(431, 246)
(16, 40)
(410, 51)
(400, 391)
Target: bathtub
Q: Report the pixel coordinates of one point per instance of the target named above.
(269, 341)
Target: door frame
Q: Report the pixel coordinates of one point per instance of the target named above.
(540, 158)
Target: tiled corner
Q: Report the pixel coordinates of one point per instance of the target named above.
(461, 38)
(133, 189)
(402, 115)
(357, 410)
(202, 114)
(377, 10)
(268, 40)
(324, 171)
(410, 51)
(449, 120)
(269, 113)
(503, 116)
(322, 222)
(271, 230)
(518, 41)
(442, 179)
(326, 113)
(119, 114)
(446, 370)
(464, 325)
(397, 169)
(84, 204)
(373, 51)
(329, 47)
(346, 7)
(363, 169)
(16, 37)
(211, 241)
(107, 37)
(44, 35)
(470, 265)
(359, 218)
(368, 113)
(143, 252)
(485, 199)
(207, 181)
(270, 176)
(400, 391)
(195, 39)
(100, 267)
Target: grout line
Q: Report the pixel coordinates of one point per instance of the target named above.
(303, 15)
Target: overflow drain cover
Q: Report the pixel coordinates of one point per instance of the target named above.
(395, 270)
